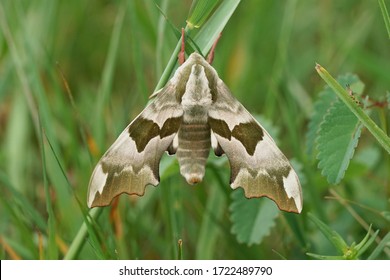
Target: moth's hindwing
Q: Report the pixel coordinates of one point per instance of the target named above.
(257, 165)
(132, 162)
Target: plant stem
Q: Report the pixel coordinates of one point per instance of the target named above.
(79, 239)
(341, 92)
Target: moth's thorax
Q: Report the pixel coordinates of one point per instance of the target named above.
(194, 134)
(195, 73)
(197, 92)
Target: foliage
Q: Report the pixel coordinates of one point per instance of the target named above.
(336, 129)
(252, 219)
(348, 252)
(74, 73)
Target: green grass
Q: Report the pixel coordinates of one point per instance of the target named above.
(112, 55)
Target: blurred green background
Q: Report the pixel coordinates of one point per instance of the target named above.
(110, 55)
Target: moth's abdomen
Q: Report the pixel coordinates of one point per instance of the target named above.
(193, 149)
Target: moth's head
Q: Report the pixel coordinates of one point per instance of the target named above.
(196, 58)
(185, 70)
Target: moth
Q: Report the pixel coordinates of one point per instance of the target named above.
(192, 113)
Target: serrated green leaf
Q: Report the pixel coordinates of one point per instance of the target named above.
(324, 102)
(344, 94)
(337, 139)
(253, 218)
(321, 106)
(337, 130)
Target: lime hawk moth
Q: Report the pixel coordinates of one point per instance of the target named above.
(192, 113)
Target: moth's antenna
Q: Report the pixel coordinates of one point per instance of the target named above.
(210, 57)
(182, 54)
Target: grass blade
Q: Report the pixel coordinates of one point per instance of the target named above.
(107, 75)
(209, 231)
(385, 15)
(204, 38)
(385, 243)
(84, 230)
(52, 252)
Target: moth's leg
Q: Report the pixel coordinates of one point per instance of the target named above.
(210, 57)
(181, 56)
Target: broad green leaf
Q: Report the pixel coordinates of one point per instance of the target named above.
(324, 102)
(338, 133)
(252, 218)
(337, 139)
(321, 106)
(344, 95)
